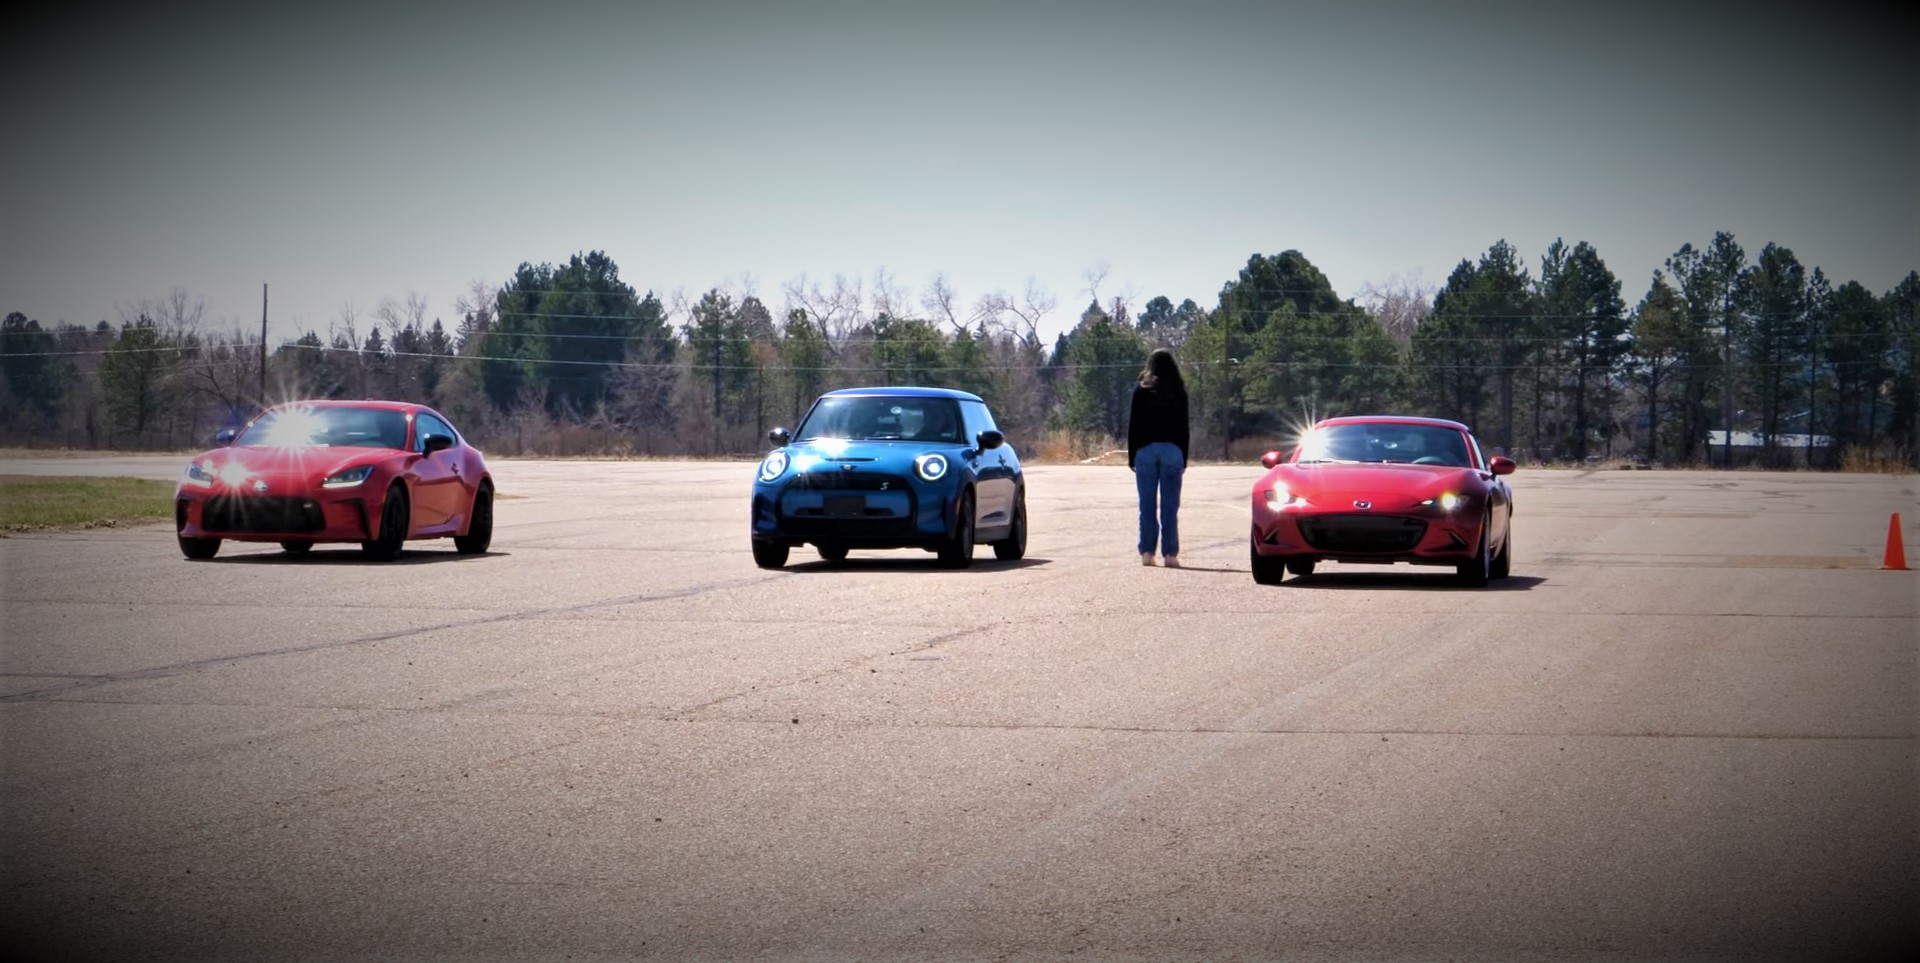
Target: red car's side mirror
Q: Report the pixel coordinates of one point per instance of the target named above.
(1501, 465)
(1271, 459)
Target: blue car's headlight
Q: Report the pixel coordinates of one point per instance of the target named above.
(931, 466)
(198, 475)
(348, 478)
(773, 465)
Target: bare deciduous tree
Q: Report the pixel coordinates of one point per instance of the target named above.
(1019, 319)
(1400, 304)
(835, 310)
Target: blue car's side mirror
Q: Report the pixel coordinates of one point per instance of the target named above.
(990, 439)
(779, 437)
(224, 437)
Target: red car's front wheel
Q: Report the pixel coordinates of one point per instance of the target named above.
(396, 516)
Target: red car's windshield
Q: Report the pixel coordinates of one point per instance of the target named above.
(1386, 443)
(338, 427)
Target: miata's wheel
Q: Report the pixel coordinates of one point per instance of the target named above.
(1474, 572)
(1014, 546)
(296, 546)
(1267, 569)
(396, 517)
(199, 547)
(832, 553)
(768, 553)
(1301, 567)
(479, 524)
(958, 551)
(1503, 562)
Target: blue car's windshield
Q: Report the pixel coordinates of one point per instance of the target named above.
(883, 419)
(1386, 443)
(306, 426)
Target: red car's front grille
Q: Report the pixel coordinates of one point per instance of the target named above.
(1362, 534)
(264, 513)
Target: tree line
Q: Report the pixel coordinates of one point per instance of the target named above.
(1548, 363)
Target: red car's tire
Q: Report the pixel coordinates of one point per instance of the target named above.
(479, 524)
(1267, 569)
(1503, 562)
(1474, 572)
(199, 548)
(396, 517)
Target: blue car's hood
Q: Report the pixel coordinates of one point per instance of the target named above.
(881, 455)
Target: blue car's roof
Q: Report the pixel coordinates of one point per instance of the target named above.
(906, 391)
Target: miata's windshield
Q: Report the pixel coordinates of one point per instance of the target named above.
(861, 418)
(1386, 443)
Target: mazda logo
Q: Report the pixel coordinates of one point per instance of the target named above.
(1363, 505)
(259, 486)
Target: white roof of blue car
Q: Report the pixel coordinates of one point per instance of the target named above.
(904, 391)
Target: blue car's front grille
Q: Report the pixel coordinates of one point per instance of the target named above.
(851, 481)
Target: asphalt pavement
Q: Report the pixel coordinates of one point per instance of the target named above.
(1684, 729)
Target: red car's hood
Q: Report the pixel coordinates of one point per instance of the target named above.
(1326, 481)
(290, 465)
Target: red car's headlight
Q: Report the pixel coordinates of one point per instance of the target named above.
(1278, 498)
(348, 478)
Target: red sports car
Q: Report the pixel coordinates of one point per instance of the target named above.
(1382, 489)
(374, 472)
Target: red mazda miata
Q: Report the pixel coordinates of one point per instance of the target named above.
(1382, 489)
(374, 472)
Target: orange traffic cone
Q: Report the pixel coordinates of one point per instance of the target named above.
(1896, 559)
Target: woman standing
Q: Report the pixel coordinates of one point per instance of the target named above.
(1157, 453)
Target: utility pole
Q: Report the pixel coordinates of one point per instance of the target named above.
(263, 345)
(1226, 383)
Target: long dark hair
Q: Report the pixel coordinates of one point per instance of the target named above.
(1162, 373)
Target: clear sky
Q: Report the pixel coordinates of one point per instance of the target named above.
(344, 153)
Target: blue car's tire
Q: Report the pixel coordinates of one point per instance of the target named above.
(768, 553)
(1014, 546)
(958, 550)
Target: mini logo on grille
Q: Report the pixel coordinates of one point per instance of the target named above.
(846, 467)
(1363, 505)
(259, 486)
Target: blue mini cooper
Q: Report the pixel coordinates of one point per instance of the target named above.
(891, 468)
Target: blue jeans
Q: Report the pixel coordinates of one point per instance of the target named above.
(1156, 470)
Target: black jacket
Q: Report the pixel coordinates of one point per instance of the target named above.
(1156, 416)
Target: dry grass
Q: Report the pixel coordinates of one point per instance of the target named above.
(30, 503)
(1881, 460)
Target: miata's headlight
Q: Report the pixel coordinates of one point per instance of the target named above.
(773, 465)
(1446, 503)
(348, 478)
(199, 474)
(930, 467)
(1278, 498)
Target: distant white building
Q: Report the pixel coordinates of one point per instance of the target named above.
(1748, 445)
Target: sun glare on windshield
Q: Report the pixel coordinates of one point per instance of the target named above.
(295, 428)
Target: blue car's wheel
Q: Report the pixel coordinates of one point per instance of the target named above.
(769, 554)
(1014, 546)
(958, 551)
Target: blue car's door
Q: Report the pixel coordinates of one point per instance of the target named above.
(996, 470)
